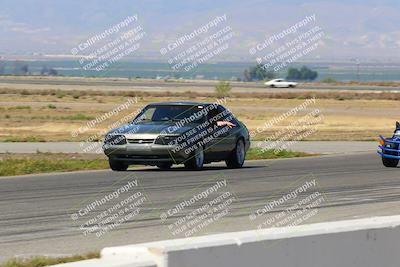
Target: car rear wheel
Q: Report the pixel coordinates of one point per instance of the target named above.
(196, 160)
(390, 163)
(236, 158)
(116, 165)
(164, 166)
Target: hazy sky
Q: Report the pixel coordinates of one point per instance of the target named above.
(364, 28)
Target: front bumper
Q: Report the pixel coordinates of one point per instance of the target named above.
(392, 152)
(148, 154)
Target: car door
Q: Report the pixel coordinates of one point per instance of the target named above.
(224, 137)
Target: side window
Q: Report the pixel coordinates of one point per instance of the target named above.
(217, 114)
(212, 113)
(227, 115)
(222, 113)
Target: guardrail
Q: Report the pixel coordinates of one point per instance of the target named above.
(367, 242)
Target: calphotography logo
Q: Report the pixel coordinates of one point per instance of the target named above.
(101, 125)
(292, 207)
(104, 49)
(199, 46)
(111, 210)
(195, 214)
(289, 45)
(296, 124)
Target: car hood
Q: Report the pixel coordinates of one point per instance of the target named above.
(152, 128)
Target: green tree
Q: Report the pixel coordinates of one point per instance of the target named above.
(246, 76)
(53, 72)
(304, 74)
(293, 74)
(20, 68)
(48, 71)
(257, 73)
(2, 67)
(223, 89)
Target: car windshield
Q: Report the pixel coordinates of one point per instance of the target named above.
(171, 113)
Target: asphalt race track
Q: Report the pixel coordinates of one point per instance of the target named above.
(172, 86)
(36, 210)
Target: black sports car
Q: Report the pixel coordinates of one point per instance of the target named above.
(170, 133)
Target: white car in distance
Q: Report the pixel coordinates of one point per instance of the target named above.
(280, 83)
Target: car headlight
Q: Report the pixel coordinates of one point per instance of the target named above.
(397, 133)
(389, 145)
(114, 139)
(167, 140)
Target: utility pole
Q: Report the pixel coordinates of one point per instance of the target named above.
(358, 69)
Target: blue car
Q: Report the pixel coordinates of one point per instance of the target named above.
(390, 149)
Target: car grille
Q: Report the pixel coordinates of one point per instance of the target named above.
(392, 146)
(144, 156)
(166, 140)
(141, 141)
(116, 139)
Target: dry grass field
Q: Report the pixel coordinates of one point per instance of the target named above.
(53, 114)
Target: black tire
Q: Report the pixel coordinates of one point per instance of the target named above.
(196, 159)
(116, 165)
(164, 166)
(272, 86)
(390, 163)
(237, 156)
(291, 86)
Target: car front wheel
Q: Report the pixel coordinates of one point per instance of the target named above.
(196, 160)
(390, 163)
(116, 165)
(236, 158)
